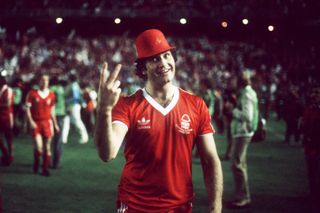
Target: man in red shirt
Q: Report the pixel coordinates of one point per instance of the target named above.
(42, 120)
(162, 123)
(6, 121)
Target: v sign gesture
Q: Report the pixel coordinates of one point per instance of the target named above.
(109, 90)
(108, 137)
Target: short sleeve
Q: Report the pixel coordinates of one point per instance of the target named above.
(53, 98)
(29, 99)
(120, 113)
(205, 126)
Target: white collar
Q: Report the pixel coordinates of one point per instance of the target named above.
(157, 106)
(43, 93)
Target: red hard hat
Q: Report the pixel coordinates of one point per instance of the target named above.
(151, 42)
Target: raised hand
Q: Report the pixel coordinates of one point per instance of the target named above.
(109, 90)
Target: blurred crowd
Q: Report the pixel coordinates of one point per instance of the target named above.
(192, 7)
(277, 69)
(282, 74)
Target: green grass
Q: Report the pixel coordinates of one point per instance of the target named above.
(86, 184)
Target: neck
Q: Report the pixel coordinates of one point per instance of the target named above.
(43, 89)
(163, 95)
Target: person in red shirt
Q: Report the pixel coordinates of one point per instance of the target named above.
(6, 120)
(162, 123)
(41, 116)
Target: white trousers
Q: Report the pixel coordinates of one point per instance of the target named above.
(239, 149)
(74, 117)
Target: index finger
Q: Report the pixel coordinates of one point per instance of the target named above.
(114, 74)
(104, 74)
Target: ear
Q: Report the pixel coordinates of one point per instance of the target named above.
(144, 70)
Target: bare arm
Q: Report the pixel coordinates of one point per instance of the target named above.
(54, 119)
(107, 136)
(32, 123)
(212, 172)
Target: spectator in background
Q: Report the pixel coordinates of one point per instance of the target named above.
(73, 103)
(207, 93)
(6, 121)
(42, 120)
(229, 102)
(292, 113)
(213, 100)
(311, 141)
(280, 95)
(89, 106)
(162, 123)
(218, 110)
(244, 123)
(57, 87)
(17, 106)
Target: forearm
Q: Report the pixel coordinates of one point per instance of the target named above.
(54, 117)
(29, 116)
(104, 136)
(107, 136)
(214, 184)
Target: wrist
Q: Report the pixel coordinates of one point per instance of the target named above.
(104, 111)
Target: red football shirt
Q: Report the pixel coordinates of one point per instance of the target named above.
(6, 108)
(41, 104)
(6, 102)
(157, 175)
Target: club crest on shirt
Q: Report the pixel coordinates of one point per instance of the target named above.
(184, 126)
(144, 123)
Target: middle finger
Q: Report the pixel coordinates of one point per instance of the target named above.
(114, 74)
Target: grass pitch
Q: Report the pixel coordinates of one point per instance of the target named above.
(85, 184)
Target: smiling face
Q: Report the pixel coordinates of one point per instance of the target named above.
(161, 69)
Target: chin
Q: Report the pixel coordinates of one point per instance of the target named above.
(168, 78)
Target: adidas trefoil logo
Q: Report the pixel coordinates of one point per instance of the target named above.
(144, 123)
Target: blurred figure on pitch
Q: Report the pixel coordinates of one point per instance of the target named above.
(218, 110)
(19, 115)
(6, 121)
(73, 103)
(207, 94)
(88, 107)
(293, 109)
(229, 102)
(42, 120)
(57, 87)
(310, 127)
(213, 100)
(244, 122)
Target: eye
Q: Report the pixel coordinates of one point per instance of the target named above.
(168, 55)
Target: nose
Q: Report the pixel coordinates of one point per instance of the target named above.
(163, 61)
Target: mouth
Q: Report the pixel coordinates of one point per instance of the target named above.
(163, 71)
